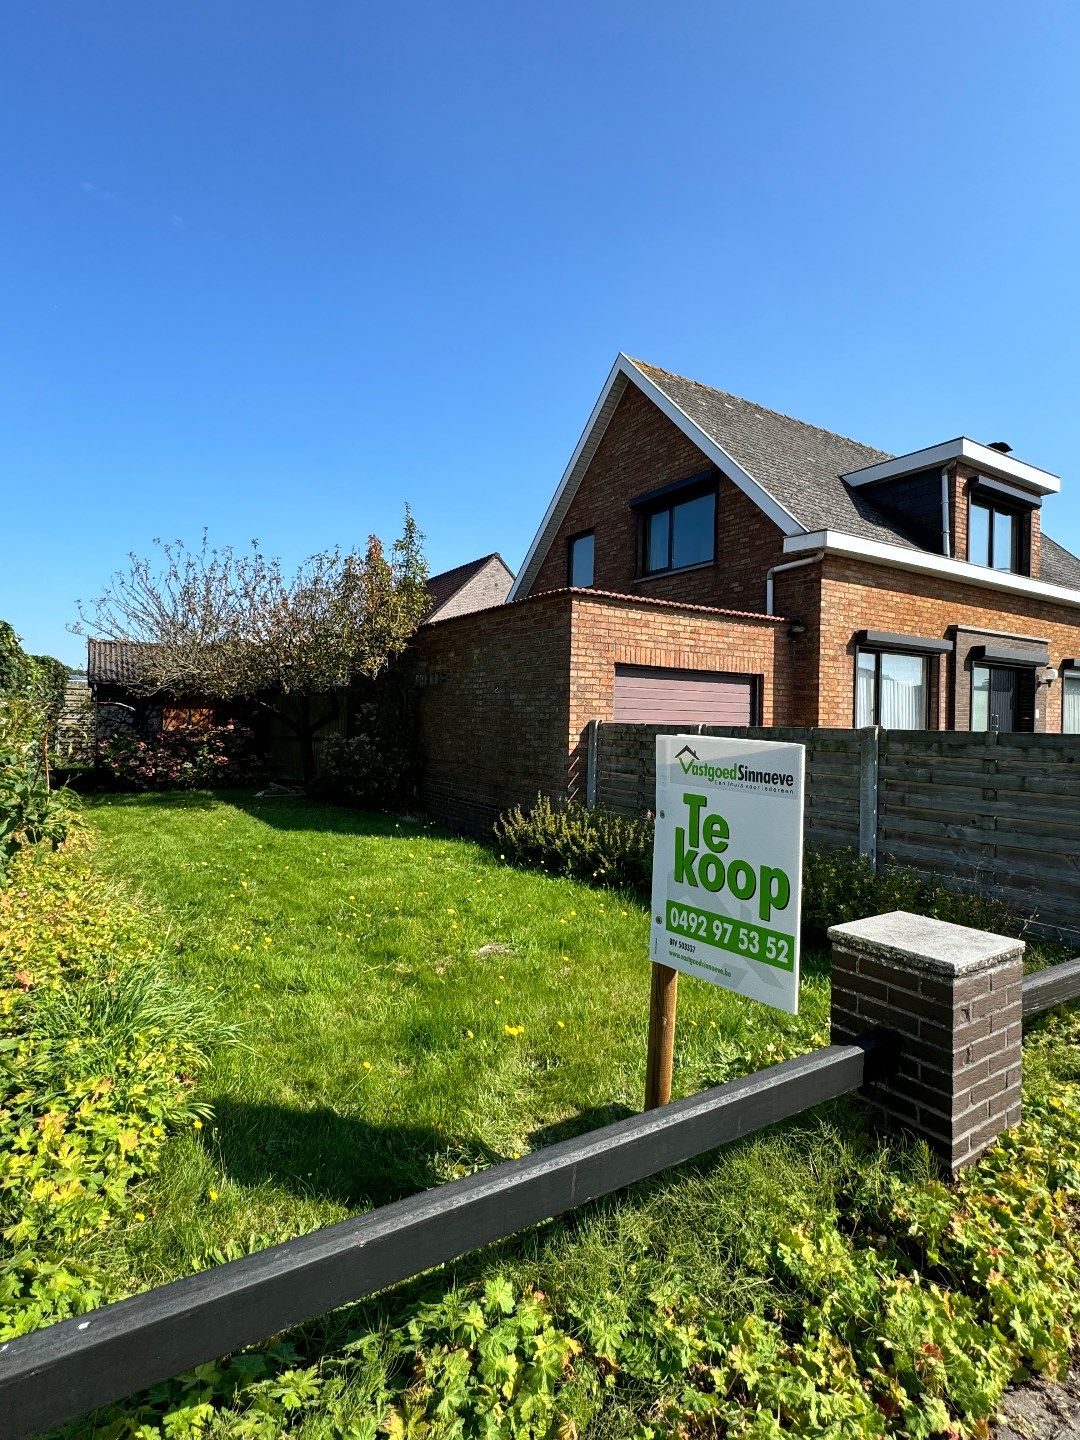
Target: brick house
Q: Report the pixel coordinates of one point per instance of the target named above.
(704, 560)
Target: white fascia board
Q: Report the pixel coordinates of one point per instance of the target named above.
(624, 369)
(1013, 491)
(972, 453)
(899, 557)
(781, 517)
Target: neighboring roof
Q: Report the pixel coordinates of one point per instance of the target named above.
(114, 662)
(792, 470)
(445, 586)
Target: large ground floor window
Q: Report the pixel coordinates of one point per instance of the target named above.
(891, 690)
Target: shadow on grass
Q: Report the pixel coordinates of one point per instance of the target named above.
(150, 799)
(319, 1152)
(593, 1118)
(300, 812)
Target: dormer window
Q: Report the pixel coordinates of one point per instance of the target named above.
(994, 535)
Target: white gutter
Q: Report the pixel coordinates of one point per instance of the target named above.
(779, 569)
(946, 538)
(922, 562)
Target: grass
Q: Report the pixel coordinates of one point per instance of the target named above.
(410, 1009)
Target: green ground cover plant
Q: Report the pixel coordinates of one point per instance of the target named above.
(409, 1008)
(99, 1052)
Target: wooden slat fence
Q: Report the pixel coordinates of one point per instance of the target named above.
(626, 772)
(998, 813)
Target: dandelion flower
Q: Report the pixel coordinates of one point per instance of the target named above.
(470, 1034)
(140, 1215)
(561, 1024)
(213, 1196)
(196, 1124)
(366, 1064)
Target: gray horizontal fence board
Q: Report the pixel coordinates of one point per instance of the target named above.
(1050, 987)
(69, 1368)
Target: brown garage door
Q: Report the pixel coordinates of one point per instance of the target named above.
(682, 697)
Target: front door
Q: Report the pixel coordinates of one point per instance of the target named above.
(995, 699)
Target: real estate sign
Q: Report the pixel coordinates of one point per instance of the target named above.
(727, 863)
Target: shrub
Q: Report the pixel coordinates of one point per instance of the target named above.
(593, 845)
(29, 811)
(186, 757)
(365, 769)
(838, 886)
(98, 1051)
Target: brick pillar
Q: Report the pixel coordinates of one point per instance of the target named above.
(953, 998)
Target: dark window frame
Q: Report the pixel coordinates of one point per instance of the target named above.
(1068, 673)
(930, 680)
(665, 501)
(1019, 560)
(571, 541)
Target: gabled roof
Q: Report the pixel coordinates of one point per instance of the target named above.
(444, 586)
(792, 470)
(1058, 566)
(799, 464)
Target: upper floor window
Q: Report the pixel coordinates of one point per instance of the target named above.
(678, 532)
(891, 690)
(994, 536)
(581, 554)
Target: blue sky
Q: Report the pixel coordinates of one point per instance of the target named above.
(278, 268)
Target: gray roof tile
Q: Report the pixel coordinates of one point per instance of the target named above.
(799, 464)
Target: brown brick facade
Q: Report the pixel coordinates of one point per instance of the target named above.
(506, 695)
(856, 595)
(642, 450)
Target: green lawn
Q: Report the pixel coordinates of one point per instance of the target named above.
(410, 1009)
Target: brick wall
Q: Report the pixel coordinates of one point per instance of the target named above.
(640, 451)
(859, 596)
(506, 694)
(494, 702)
(607, 632)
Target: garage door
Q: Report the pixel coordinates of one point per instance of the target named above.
(682, 697)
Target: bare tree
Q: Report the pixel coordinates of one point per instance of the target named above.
(234, 625)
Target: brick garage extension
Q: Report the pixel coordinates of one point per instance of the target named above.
(610, 631)
(506, 695)
(493, 701)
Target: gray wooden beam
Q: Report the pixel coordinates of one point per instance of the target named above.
(59, 1373)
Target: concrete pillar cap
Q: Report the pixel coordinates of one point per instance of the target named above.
(916, 942)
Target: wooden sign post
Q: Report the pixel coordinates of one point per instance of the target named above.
(727, 879)
(660, 1060)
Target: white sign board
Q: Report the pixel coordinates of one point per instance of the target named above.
(727, 863)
